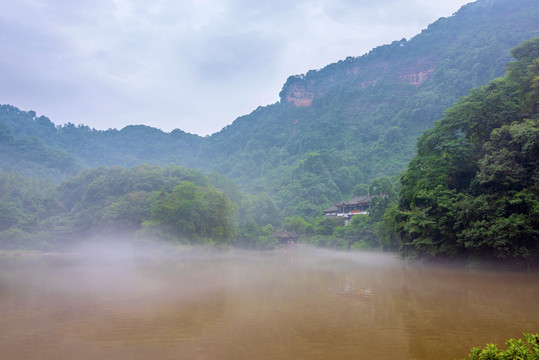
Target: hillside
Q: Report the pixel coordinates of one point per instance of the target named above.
(332, 129)
(472, 190)
(359, 119)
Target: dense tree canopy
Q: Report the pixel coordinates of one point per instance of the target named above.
(173, 204)
(192, 213)
(365, 115)
(473, 188)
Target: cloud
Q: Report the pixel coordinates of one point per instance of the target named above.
(189, 64)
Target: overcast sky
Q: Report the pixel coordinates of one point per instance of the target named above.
(195, 65)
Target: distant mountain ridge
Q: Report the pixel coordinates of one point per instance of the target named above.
(415, 61)
(332, 129)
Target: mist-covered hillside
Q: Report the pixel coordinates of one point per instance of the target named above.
(332, 129)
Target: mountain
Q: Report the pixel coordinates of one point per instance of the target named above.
(333, 128)
(472, 190)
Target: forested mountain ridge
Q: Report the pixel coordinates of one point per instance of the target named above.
(25, 134)
(366, 112)
(422, 57)
(472, 190)
(333, 128)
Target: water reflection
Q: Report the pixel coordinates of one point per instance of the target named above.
(307, 303)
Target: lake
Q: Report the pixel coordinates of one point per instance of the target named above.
(302, 303)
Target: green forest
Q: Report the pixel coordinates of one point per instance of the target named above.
(463, 188)
(362, 124)
(172, 204)
(472, 189)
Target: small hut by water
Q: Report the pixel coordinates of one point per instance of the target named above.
(286, 237)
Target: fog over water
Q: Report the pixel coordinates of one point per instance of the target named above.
(127, 302)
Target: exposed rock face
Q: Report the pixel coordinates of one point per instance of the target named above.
(298, 95)
(417, 78)
(410, 65)
(359, 73)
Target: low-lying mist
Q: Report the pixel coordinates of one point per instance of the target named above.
(126, 269)
(118, 299)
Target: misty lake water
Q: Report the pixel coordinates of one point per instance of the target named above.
(298, 304)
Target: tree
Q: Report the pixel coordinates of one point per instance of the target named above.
(193, 214)
(517, 349)
(472, 189)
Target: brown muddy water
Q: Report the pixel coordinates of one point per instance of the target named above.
(298, 304)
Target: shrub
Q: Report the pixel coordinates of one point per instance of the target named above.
(517, 349)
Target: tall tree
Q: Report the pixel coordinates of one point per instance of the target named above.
(473, 188)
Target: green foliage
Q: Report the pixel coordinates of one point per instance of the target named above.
(474, 174)
(360, 190)
(386, 230)
(517, 349)
(174, 203)
(23, 201)
(362, 123)
(24, 204)
(329, 241)
(382, 193)
(326, 225)
(128, 211)
(253, 236)
(311, 186)
(473, 187)
(363, 232)
(361, 245)
(192, 214)
(259, 208)
(359, 233)
(297, 224)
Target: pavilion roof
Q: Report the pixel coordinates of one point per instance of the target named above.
(356, 200)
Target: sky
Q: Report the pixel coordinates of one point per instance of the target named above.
(194, 65)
